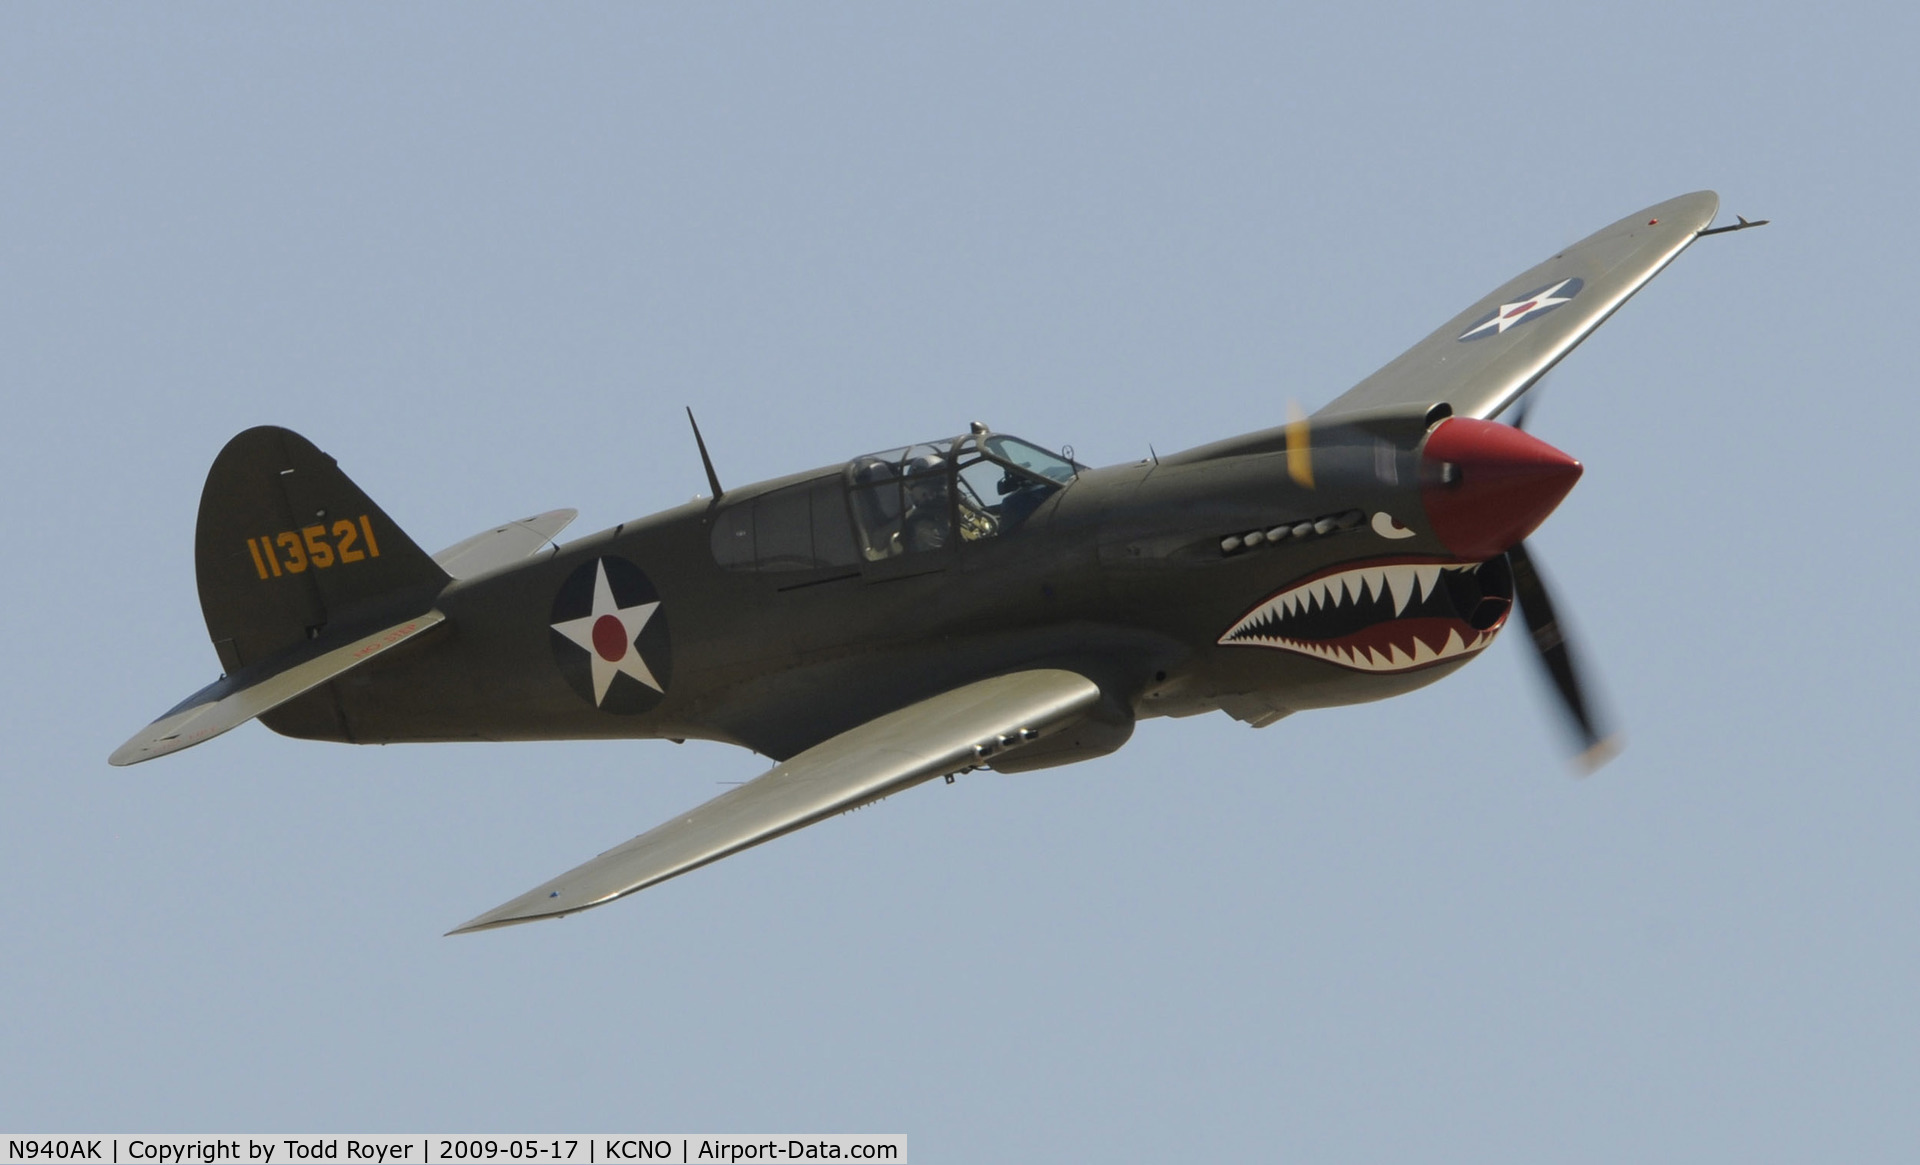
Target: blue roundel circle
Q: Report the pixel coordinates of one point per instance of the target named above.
(608, 630)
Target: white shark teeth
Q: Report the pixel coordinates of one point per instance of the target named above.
(1401, 582)
(1429, 577)
(1403, 585)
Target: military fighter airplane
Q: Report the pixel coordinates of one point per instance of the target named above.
(976, 601)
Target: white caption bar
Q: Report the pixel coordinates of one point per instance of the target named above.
(424, 1149)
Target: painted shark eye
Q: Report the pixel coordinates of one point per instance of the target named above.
(1386, 527)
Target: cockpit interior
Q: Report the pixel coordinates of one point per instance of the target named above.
(899, 502)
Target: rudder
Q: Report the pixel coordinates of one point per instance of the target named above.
(287, 545)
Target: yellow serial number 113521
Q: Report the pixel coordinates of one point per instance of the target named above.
(293, 551)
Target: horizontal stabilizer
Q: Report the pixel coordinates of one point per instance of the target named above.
(503, 545)
(236, 699)
(940, 735)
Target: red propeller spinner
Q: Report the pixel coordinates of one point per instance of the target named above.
(1486, 485)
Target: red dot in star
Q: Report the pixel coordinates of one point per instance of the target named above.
(610, 638)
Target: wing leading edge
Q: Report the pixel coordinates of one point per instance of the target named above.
(503, 545)
(1483, 359)
(940, 735)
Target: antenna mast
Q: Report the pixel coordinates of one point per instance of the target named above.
(713, 479)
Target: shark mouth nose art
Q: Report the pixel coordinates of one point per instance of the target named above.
(1384, 617)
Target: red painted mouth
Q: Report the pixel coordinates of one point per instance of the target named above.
(1384, 616)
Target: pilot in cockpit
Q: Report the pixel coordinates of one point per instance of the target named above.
(926, 519)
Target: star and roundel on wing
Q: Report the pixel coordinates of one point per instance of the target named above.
(610, 636)
(1530, 306)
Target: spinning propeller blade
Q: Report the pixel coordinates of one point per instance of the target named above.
(1597, 745)
(1299, 445)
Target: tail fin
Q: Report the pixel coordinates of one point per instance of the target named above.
(287, 544)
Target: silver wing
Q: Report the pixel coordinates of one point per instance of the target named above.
(501, 545)
(1480, 361)
(937, 736)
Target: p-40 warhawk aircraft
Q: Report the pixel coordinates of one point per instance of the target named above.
(964, 603)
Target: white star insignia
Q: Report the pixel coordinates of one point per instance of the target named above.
(608, 634)
(1509, 314)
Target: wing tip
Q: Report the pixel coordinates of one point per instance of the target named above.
(526, 908)
(1697, 208)
(488, 921)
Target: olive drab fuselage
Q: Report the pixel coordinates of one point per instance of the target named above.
(1118, 573)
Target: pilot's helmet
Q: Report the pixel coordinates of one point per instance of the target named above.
(926, 484)
(872, 469)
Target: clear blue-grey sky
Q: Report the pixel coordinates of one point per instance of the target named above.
(484, 254)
